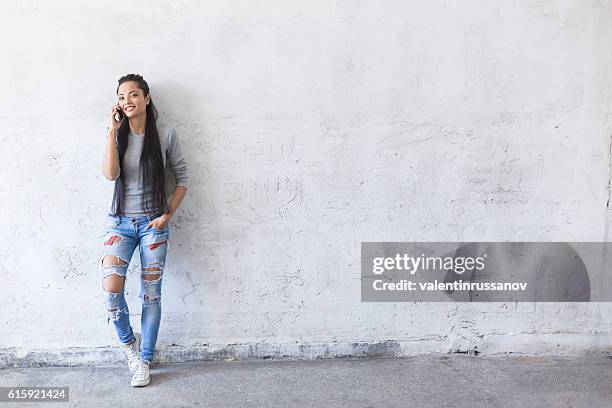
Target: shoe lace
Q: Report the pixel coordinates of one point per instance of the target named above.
(141, 371)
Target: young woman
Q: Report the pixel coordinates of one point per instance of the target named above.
(137, 153)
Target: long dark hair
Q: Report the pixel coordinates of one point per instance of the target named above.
(151, 159)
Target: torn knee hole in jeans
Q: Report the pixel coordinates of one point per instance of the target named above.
(152, 281)
(153, 272)
(112, 263)
(113, 313)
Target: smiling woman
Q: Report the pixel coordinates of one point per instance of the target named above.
(137, 152)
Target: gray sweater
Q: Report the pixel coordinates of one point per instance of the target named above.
(134, 192)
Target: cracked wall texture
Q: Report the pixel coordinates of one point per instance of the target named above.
(308, 128)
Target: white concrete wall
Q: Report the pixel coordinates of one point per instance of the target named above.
(308, 127)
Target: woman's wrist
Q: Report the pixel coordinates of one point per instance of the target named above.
(112, 137)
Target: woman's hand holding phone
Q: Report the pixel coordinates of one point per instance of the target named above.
(116, 117)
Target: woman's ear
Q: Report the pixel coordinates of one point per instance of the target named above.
(148, 99)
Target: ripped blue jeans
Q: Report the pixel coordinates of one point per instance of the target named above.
(123, 235)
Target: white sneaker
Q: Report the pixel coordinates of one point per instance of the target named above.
(141, 377)
(133, 353)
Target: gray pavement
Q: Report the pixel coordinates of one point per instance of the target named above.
(451, 380)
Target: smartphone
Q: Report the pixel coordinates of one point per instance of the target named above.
(119, 115)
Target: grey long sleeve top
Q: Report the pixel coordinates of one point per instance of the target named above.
(134, 191)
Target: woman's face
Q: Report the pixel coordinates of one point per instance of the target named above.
(132, 100)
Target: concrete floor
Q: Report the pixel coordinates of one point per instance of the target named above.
(426, 381)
